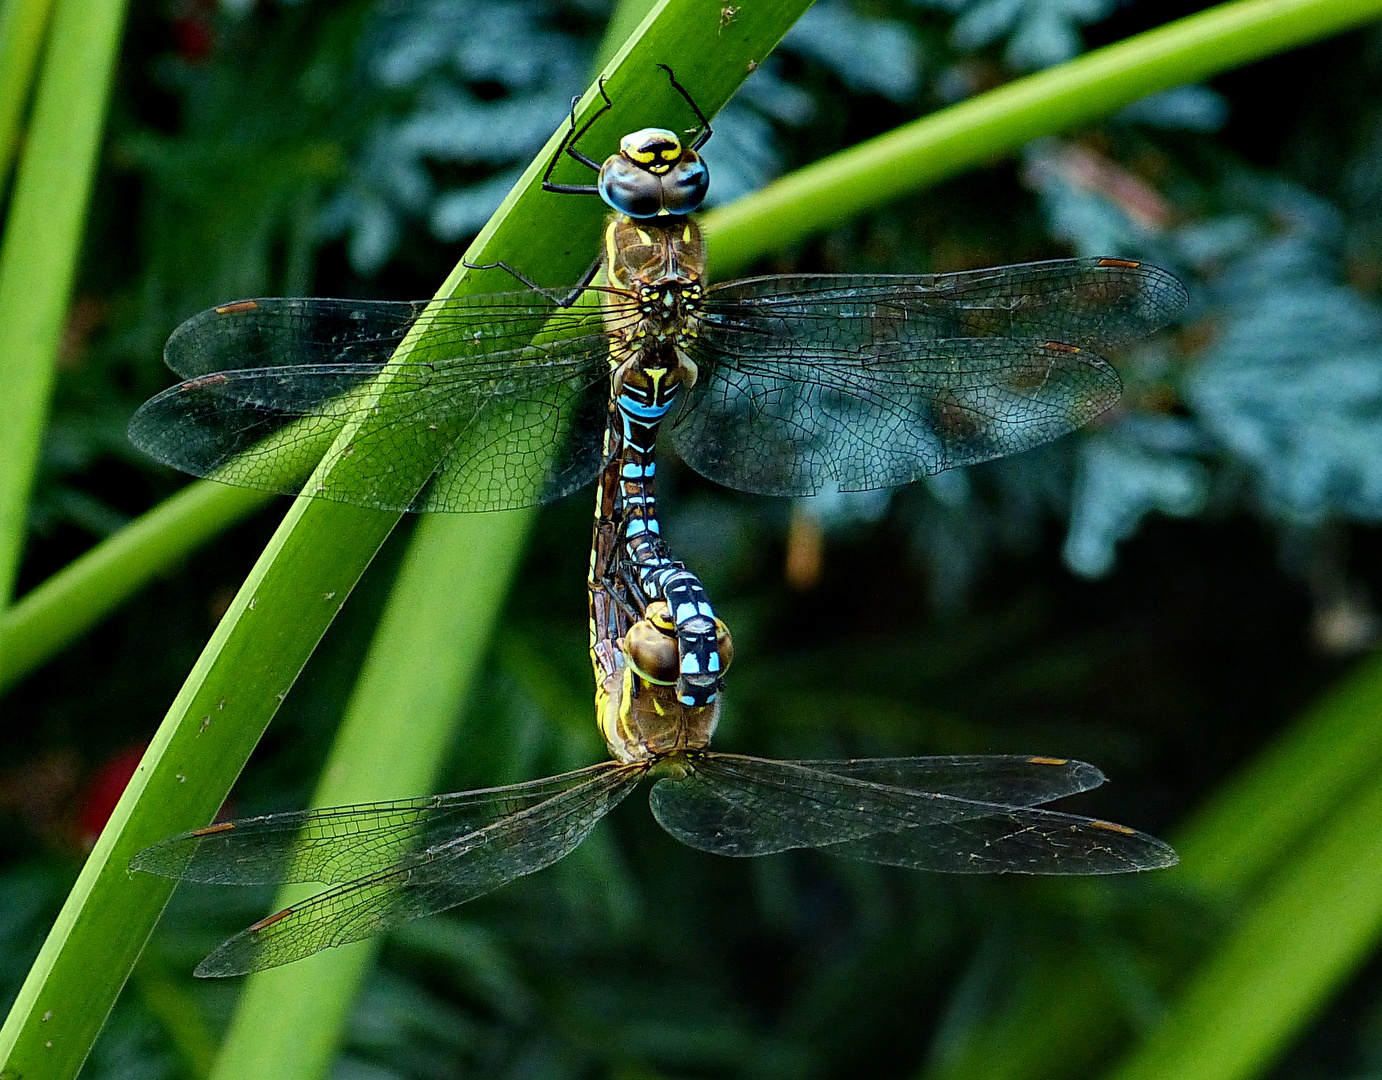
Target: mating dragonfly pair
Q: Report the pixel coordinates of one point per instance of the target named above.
(788, 385)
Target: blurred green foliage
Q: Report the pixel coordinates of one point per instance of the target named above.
(1223, 519)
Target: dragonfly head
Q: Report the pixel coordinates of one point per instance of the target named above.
(643, 718)
(692, 657)
(650, 647)
(653, 176)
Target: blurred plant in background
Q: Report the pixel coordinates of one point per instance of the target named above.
(348, 149)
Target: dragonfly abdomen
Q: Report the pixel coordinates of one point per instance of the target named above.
(644, 400)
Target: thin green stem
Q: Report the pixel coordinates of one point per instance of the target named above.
(65, 606)
(22, 23)
(1314, 924)
(42, 240)
(1249, 831)
(976, 131)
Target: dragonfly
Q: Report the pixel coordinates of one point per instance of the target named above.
(658, 652)
(788, 384)
(387, 863)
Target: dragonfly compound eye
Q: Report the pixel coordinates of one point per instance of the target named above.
(685, 185)
(659, 614)
(651, 652)
(653, 176)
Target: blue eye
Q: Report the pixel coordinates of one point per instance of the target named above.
(633, 188)
(684, 187)
(630, 189)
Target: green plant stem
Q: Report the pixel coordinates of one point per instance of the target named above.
(402, 716)
(623, 22)
(1315, 923)
(986, 127)
(22, 23)
(65, 606)
(42, 239)
(248, 667)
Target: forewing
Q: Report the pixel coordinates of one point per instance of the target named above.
(502, 404)
(735, 805)
(432, 880)
(871, 381)
(740, 806)
(338, 844)
(1008, 779)
(1095, 303)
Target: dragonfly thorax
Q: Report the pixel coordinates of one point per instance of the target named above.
(653, 176)
(652, 306)
(641, 255)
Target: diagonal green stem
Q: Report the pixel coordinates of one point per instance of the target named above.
(22, 23)
(42, 241)
(1315, 923)
(991, 125)
(1319, 770)
(60, 610)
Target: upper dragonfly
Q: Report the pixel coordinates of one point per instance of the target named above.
(790, 384)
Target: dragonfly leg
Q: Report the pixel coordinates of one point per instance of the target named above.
(561, 300)
(686, 96)
(568, 146)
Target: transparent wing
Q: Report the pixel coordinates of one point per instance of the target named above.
(741, 806)
(870, 381)
(503, 405)
(431, 879)
(340, 843)
(1009, 779)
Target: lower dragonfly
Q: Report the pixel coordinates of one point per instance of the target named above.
(388, 863)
